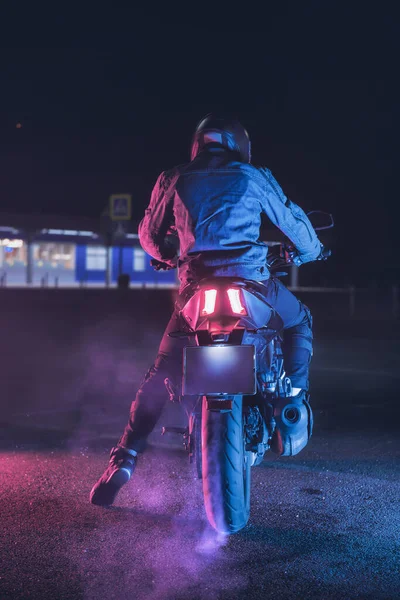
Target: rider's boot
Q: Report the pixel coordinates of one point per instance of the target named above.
(119, 471)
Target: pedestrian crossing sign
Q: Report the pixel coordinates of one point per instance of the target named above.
(120, 207)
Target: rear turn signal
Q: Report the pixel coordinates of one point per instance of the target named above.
(210, 297)
(236, 304)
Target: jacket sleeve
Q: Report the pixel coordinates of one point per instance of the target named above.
(290, 219)
(158, 222)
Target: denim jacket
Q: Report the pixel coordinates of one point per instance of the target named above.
(213, 207)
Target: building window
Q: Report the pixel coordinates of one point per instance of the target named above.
(13, 261)
(54, 261)
(139, 257)
(54, 256)
(96, 258)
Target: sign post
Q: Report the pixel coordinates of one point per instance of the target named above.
(120, 211)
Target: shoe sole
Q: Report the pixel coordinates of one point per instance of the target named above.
(119, 477)
(107, 492)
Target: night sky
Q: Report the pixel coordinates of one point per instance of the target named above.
(108, 100)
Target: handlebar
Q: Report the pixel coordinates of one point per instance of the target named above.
(287, 256)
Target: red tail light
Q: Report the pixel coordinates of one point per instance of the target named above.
(236, 303)
(210, 297)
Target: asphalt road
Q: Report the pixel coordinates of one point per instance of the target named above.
(324, 524)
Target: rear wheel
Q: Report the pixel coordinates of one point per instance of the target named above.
(195, 441)
(226, 468)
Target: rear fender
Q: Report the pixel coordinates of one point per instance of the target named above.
(259, 312)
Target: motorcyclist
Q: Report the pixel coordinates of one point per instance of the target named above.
(213, 205)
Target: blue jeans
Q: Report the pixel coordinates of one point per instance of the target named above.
(152, 394)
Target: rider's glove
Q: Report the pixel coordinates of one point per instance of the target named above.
(291, 256)
(324, 254)
(158, 265)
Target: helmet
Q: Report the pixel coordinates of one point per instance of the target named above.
(221, 131)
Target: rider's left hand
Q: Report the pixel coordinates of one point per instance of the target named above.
(291, 256)
(159, 265)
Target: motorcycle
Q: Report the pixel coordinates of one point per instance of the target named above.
(234, 388)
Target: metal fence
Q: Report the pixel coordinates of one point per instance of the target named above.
(378, 303)
(351, 302)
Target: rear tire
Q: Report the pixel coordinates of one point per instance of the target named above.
(226, 468)
(195, 442)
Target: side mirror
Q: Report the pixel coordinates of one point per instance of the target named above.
(321, 220)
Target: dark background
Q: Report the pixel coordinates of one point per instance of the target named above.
(109, 98)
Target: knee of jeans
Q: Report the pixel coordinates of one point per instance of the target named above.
(154, 380)
(302, 339)
(300, 356)
(299, 336)
(307, 320)
(148, 397)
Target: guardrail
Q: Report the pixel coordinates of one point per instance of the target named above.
(354, 296)
(383, 302)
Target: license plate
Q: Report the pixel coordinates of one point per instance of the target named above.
(219, 370)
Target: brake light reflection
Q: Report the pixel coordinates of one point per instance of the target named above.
(210, 297)
(236, 305)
